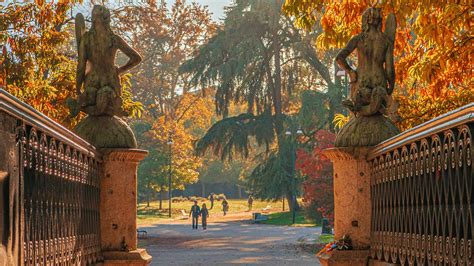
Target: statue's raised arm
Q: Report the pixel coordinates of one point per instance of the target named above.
(80, 29)
(390, 32)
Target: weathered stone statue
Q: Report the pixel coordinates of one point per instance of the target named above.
(98, 82)
(371, 84)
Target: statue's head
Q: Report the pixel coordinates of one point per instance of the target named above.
(100, 14)
(372, 16)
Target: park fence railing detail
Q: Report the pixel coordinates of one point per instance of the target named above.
(422, 193)
(50, 188)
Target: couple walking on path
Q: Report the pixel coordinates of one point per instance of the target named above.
(196, 212)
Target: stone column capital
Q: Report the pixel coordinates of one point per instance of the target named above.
(347, 153)
(123, 155)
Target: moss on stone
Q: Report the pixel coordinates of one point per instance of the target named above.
(364, 131)
(106, 132)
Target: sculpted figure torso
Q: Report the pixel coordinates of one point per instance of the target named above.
(97, 77)
(374, 80)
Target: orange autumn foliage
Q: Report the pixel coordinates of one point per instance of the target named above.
(433, 48)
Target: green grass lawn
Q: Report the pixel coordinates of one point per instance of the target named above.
(325, 239)
(286, 218)
(153, 212)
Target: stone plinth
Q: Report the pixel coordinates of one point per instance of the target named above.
(137, 257)
(118, 207)
(345, 258)
(352, 204)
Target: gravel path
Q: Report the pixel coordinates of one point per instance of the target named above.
(229, 243)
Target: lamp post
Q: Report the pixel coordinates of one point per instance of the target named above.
(289, 133)
(170, 143)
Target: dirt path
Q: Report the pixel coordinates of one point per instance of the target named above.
(228, 242)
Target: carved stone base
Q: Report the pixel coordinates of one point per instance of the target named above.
(138, 257)
(345, 258)
(381, 263)
(364, 131)
(106, 132)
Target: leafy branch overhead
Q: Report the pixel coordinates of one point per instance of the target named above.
(234, 134)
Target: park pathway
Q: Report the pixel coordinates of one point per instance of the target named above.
(229, 243)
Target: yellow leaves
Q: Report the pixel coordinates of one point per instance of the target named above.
(340, 120)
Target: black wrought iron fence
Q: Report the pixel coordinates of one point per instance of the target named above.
(57, 187)
(422, 194)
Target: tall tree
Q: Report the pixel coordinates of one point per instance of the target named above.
(166, 36)
(259, 58)
(433, 48)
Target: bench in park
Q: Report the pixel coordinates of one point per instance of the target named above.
(184, 215)
(142, 233)
(258, 217)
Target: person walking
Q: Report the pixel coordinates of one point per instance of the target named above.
(250, 202)
(225, 206)
(195, 211)
(204, 216)
(211, 198)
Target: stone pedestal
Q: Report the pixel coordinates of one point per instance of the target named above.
(106, 132)
(345, 258)
(118, 207)
(352, 204)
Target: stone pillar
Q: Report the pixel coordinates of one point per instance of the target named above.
(352, 205)
(118, 207)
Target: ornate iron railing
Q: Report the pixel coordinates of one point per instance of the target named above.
(422, 193)
(56, 187)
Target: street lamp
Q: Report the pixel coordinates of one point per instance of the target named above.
(170, 143)
(289, 133)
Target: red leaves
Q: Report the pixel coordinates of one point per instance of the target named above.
(315, 164)
(318, 187)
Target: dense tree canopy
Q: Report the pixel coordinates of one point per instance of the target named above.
(433, 48)
(166, 36)
(39, 56)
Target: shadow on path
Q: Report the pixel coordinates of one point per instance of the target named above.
(227, 243)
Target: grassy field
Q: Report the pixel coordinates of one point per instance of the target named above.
(153, 213)
(274, 210)
(286, 218)
(325, 239)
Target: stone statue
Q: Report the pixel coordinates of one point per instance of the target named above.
(371, 84)
(98, 82)
(97, 77)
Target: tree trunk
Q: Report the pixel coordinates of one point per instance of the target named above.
(239, 189)
(289, 197)
(277, 77)
(148, 195)
(161, 197)
(203, 189)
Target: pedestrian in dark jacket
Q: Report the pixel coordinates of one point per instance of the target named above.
(225, 206)
(250, 202)
(195, 211)
(204, 215)
(211, 198)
